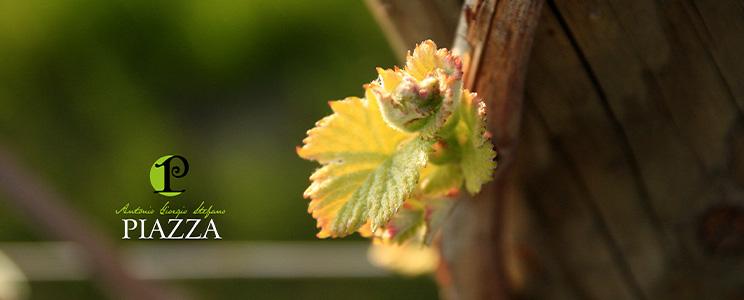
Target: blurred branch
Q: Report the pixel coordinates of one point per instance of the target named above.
(407, 22)
(56, 261)
(47, 210)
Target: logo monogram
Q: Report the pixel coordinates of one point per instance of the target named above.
(165, 168)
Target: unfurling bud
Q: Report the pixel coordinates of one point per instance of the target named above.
(423, 95)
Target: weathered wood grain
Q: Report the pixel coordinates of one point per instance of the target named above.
(564, 98)
(498, 40)
(406, 23)
(651, 65)
(628, 182)
(720, 25)
(575, 235)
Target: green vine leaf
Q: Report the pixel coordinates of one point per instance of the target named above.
(478, 156)
(406, 224)
(418, 221)
(369, 168)
(438, 180)
(393, 161)
(384, 189)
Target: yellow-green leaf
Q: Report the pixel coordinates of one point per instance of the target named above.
(477, 161)
(368, 168)
(405, 224)
(384, 189)
(438, 180)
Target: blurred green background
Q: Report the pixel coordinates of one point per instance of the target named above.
(92, 92)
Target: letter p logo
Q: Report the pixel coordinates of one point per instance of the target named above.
(166, 168)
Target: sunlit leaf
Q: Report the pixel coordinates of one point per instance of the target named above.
(478, 156)
(369, 168)
(394, 161)
(418, 221)
(407, 223)
(437, 180)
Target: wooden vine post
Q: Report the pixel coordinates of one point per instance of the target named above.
(494, 38)
(626, 178)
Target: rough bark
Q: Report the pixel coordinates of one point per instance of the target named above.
(495, 38)
(628, 182)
